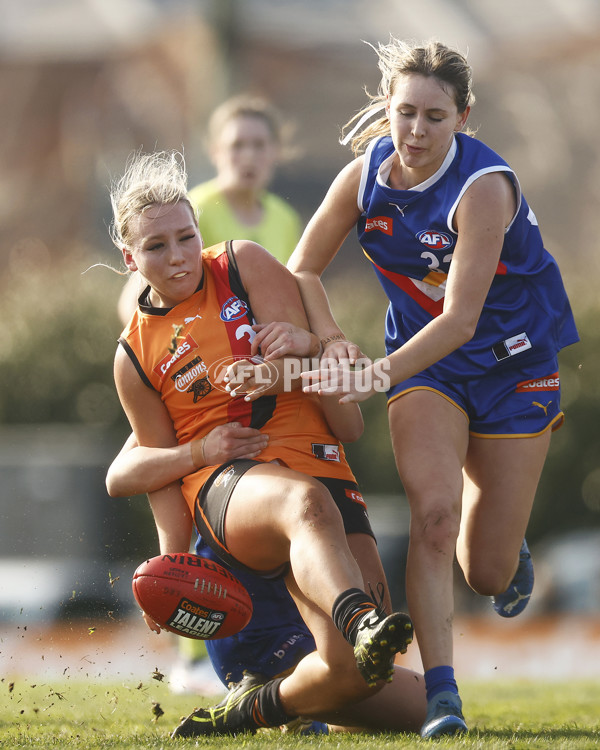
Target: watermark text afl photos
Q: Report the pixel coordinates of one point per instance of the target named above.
(336, 373)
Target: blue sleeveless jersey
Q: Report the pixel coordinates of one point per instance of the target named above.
(409, 238)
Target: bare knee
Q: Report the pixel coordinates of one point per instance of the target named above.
(488, 577)
(435, 529)
(353, 688)
(324, 683)
(311, 505)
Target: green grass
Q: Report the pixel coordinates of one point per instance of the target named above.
(96, 715)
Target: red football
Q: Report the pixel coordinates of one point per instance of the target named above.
(192, 596)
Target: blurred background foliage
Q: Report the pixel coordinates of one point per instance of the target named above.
(86, 83)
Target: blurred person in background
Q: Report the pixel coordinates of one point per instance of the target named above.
(155, 228)
(246, 140)
(477, 315)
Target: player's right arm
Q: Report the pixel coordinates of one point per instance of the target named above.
(152, 427)
(138, 468)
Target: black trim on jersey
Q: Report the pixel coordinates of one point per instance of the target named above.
(235, 280)
(136, 362)
(147, 309)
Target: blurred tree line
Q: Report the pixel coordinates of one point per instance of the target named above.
(60, 333)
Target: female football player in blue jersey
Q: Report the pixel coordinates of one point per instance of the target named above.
(477, 314)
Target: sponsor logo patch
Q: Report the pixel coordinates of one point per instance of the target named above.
(224, 476)
(233, 309)
(510, 347)
(547, 383)
(184, 347)
(326, 452)
(188, 373)
(435, 240)
(193, 619)
(355, 496)
(381, 223)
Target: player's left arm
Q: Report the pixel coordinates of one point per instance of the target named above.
(138, 469)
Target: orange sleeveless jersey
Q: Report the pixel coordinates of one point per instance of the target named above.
(183, 352)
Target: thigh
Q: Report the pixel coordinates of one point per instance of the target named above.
(269, 504)
(501, 478)
(430, 438)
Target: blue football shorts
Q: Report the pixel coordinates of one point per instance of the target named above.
(513, 402)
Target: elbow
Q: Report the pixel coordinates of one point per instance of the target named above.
(351, 432)
(351, 436)
(464, 330)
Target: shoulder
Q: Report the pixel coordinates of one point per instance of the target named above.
(349, 177)
(256, 265)
(211, 252)
(380, 147)
(247, 251)
(124, 367)
(473, 149)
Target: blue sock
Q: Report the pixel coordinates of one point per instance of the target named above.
(439, 679)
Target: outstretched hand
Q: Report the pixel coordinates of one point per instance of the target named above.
(338, 378)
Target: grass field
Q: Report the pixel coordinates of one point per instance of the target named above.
(100, 715)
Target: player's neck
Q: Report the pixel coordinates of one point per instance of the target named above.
(245, 204)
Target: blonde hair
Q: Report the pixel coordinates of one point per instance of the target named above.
(157, 178)
(399, 58)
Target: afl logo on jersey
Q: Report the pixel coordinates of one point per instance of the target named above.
(435, 240)
(233, 309)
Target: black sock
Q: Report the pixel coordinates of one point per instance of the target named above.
(347, 610)
(267, 710)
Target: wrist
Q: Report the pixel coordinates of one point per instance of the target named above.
(316, 348)
(334, 337)
(197, 451)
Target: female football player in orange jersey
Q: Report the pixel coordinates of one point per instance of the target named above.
(186, 366)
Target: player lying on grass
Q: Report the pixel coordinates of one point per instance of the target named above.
(286, 515)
